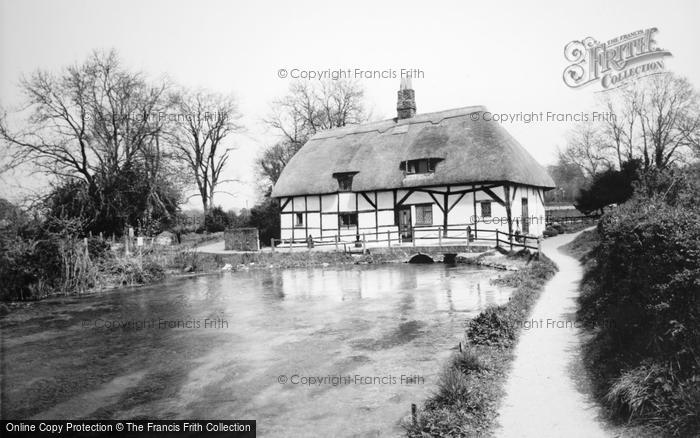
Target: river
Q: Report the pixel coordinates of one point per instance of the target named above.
(338, 351)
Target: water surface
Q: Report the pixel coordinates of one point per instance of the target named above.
(219, 347)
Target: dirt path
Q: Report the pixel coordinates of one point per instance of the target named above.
(546, 394)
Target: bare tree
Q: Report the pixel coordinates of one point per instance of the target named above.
(587, 149)
(620, 129)
(308, 108)
(656, 119)
(10, 156)
(201, 129)
(91, 122)
(668, 118)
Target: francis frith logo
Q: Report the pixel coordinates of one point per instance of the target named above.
(614, 62)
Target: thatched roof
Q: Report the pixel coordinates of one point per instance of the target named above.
(472, 150)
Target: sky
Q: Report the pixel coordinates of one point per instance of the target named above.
(508, 56)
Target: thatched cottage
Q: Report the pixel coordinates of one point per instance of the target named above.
(441, 171)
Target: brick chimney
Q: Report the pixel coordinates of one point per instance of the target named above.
(406, 104)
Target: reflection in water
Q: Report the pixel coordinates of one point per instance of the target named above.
(371, 321)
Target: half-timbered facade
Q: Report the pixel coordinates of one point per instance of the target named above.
(447, 170)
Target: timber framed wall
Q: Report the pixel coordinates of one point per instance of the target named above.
(374, 211)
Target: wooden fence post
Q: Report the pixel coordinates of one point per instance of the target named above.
(336, 243)
(510, 239)
(440, 235)
(272, 244)
(497, 242)
(388, 238)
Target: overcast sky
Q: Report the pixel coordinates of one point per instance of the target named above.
(505, 55)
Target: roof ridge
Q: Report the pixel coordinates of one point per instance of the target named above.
(363, 128)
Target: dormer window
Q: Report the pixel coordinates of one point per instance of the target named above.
(422, 165)
(344, 180)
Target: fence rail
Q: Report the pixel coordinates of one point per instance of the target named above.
(429, 235)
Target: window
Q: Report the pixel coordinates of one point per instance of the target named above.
(347, 219)
(486, 209)
(299, 220)
(424, 214)
(344, 180)
(423, 165)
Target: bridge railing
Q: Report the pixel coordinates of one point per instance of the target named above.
(438, 235)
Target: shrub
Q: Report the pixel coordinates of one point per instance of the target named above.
(152, 272)
(187, 260)
(216, 220)
(652, 394)
(44, 257)
(493, 326)
(550, 232)
(129, 271)
(470, 361)
(98, 248)
(645, 281)
(453, 387)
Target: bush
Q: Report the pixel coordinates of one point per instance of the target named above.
(266, 218)
(653, 395)
(646, 281)
(20, 272)
(550, 232)
(493, 326)
(470, 361)
(216, 220)
(130, 272)
(98, 248)
(609, 187)
(39, 258)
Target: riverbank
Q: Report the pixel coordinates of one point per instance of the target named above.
(104, 267)
(471, 385)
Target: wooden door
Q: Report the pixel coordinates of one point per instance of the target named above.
(405, 226)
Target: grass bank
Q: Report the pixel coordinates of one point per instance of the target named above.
(471, 385)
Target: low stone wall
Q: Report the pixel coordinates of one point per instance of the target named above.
(241, 239)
